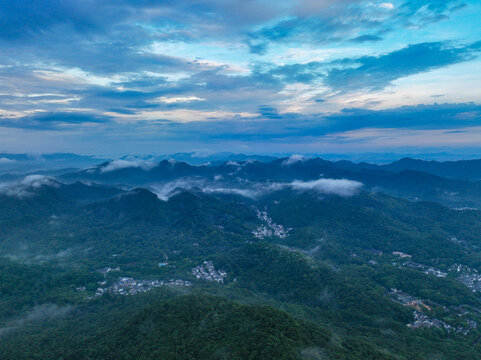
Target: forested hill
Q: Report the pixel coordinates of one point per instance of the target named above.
(285, 264)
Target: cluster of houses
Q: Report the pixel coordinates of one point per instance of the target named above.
(401, 255)
(130, 286)
(467, 276)
(422, 320)
(208, 272)
(269, 228)
(421, 267)
(407, 300)
(471, 280)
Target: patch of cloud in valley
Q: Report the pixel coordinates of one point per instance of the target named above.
(295, 158)
(26, 187)
(38, 314)
(4, 160)
(128, 163)
(341, 187)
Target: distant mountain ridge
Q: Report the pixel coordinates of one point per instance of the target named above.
(459, 169)
(27, 163)
(403, 178)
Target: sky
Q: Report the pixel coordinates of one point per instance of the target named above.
(116, 77)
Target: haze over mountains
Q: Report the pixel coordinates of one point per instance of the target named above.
(22, 163)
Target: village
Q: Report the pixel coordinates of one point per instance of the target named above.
(468, 277)
(421, 319)
(407, 300)
(130, 286)
(269, 228)
(208, 272)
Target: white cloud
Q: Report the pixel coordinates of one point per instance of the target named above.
(39, 313)
(341, 187)
(36, 181)
(25, 186)
(232, 163)
(4, 160)
(293, 159)
(387, 6)
(249, 193)
(130, 163)
(166, 190)
(179, 99)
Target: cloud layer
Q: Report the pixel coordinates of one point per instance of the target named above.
(157, 75)
(27, 186)
(253, 190)
(127, 163)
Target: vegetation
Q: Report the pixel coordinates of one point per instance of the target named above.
(325, 291)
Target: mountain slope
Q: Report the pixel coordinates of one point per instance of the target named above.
(206, 327)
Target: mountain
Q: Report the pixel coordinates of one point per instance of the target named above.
(294, 258)
(29, 163)
(206, 327)
(216, 158)
(249, 175)
(37, 196)
(461, 169)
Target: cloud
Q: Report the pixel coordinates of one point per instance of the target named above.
(298, 127)
(253, 190)
(26, 187)
(37, 181)
(437, 116)
(116, 74)
(249, 193)
(35, 258)
(423, 12)
(334, 21)
(4, 160)
(269, 112)
(293, 159)
(376, 72)
(365, 38)
(179, 99)
(340, 187)
(57, 121)
(38, 314)
(128, 163)
(232, 163)
(166, 190)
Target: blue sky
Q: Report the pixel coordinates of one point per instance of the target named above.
(113, 77)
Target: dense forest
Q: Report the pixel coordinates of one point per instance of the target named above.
(106, 272)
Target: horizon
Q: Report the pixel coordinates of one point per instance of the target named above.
(11, 160)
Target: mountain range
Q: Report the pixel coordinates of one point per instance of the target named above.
(288, 258)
